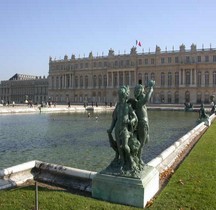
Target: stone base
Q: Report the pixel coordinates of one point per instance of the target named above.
(125, 190)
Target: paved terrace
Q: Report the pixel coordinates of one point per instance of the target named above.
(22, 108)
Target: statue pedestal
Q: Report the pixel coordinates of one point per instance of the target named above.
(125, 190)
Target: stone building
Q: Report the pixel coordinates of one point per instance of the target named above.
(181, 76)
(20, 88)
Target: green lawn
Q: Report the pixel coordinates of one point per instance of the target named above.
(193, 186)
(49, 199)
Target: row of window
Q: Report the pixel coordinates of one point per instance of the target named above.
(189, 78)
(175, 98)
(128, 63)
(20, 91)
(118, 78)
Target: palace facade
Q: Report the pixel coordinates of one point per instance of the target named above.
(184, 75)
(180, 76)
(21, 87)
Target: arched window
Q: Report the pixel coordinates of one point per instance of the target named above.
(81, 81)
(206, 78)
(169, 79)
(140, 78)
(114, 94)
(162, 97)
(61, 83)
(110, 79)
(152, 76)
(146, 79)
(52, 83)
(105, 81)
(187, 78)
(57, 82)
(86, 81)
(176, 79)
(199, 79)
(169, 97)
(67, 81)
(99, 81)
(126, 78)
(99, 97)
(162, 79)
(187, 96)
(120, 78)
(76, 81)
(115, 79)
(81, 97)
(199, 97)
(93, 96)
(176, 97)
(207, 97)
(94, 81)
(214, 78)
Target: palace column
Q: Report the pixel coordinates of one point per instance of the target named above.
(123, 78)
(183, 77)
(112, 79)
(195, 77)
(118, 78)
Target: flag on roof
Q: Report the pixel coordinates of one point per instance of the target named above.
(138, 43)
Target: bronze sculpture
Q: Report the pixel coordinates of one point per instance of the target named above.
(130, 121)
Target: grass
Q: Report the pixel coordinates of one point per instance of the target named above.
(50, 199)
(192, 187)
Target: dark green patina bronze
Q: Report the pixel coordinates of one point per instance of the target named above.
(131, 129)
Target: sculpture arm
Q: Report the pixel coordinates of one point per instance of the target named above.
(114, 119)
(148, 95)
(133, 117)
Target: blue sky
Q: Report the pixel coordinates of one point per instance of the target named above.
(33, 30)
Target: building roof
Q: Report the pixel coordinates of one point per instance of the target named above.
(22, 77)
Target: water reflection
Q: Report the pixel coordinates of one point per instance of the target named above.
(75, 140)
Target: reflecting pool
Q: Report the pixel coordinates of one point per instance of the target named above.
(73, 139)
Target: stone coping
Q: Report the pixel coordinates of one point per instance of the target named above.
(59, 108)
(17, 175)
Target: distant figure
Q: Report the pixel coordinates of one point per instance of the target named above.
(203, 117)
(188, 106)
(13, 103)
(202, 113)
(213, 107)
(89, 115)
(49, 104)
(69, 105)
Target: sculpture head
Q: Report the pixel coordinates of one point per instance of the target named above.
(124, 92)
(138, 90)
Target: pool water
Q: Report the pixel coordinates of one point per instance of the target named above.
(79, 141)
